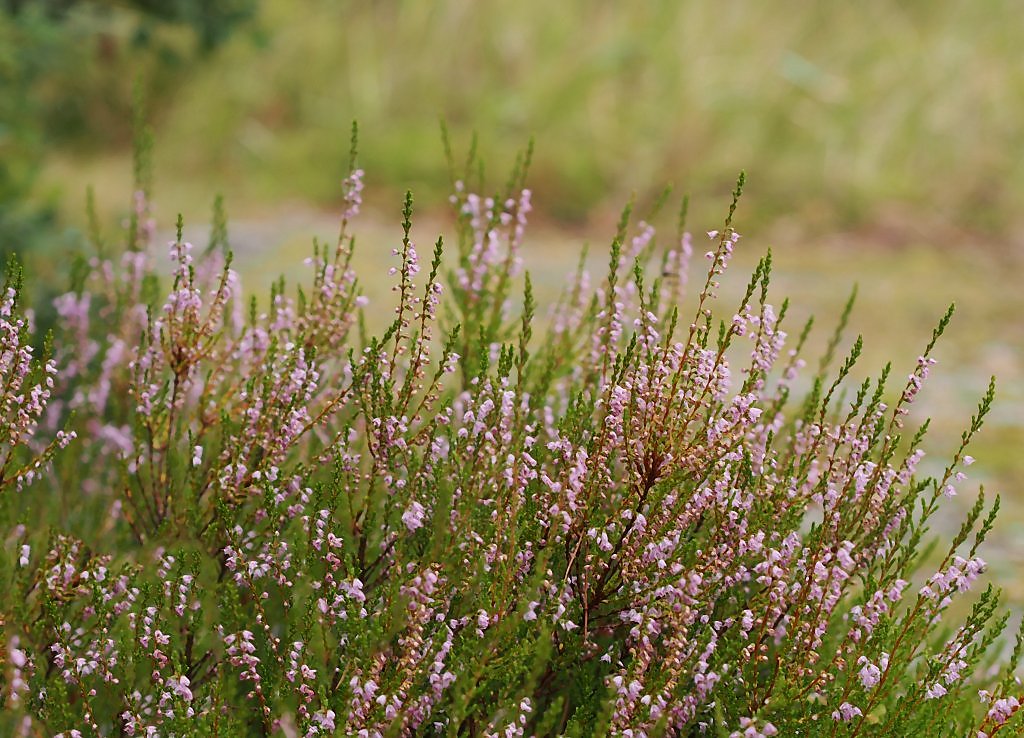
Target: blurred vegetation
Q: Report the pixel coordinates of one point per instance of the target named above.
(66, 70)
(847, 113)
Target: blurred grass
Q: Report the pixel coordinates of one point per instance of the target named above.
(848, 113)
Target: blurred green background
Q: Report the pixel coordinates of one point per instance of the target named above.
(899, 116)
(883, 141)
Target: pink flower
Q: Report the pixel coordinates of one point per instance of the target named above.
(846, 712)
(1003, 709)
(531, 613)
(413, 516)
(180, 686)
(869, 673)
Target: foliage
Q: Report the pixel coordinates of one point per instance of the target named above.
(28, 47)
(224, 517)
(58, 58)
(211, 21)
(892, 115)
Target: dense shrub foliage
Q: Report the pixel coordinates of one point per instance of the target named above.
(234, 518)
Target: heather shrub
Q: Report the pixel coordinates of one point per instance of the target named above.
(621, 516)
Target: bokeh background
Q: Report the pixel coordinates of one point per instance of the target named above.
(883, 143)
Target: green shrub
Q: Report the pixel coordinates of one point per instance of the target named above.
(232, 517)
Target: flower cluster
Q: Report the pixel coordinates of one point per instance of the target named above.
(26, 385)
(275, 523)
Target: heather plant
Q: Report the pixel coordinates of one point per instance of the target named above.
(232, 517)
